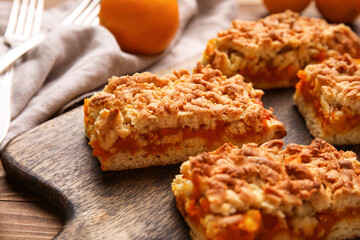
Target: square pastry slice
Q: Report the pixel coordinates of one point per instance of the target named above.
(145, 120)
(269, 52)
(264, 192)
(328, 97)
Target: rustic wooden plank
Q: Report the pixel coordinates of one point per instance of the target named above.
(21, 237)
(10, 191)
(29, 220)
(2, 172)
(24, 215)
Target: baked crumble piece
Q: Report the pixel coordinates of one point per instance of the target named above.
(266, 192)
(144, 119)
(328, 96)
(269, 52)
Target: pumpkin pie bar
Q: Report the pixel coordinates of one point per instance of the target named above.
(328, 97)
(264, 192)
(269, 52)
(145, 120)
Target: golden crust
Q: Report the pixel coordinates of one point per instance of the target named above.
(337, 83)
(280, 44)
(137, 107)
(293, 185)
(328, 96)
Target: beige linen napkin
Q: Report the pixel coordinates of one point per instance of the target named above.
(75, 60)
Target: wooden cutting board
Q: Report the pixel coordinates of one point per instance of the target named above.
(55, 161)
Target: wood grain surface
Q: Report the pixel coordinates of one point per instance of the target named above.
(24, 215)
(55, 161)
(128, 205)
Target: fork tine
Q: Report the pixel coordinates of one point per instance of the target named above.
(22, 17)
(87, 12)
(83, 5)
(13, 17)
(29, 19)
(16, 53)
(92, 16)
(38, 17)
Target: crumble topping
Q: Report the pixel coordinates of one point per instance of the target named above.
(278, 41)
(145, 103)
(296, 182)
(337, 84)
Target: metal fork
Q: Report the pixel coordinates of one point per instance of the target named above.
(85, 13)
(24, 21)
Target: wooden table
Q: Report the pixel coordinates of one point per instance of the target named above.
(23, 215)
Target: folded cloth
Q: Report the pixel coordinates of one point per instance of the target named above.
(77, 59)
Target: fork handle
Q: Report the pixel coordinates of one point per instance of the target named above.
(12, 55)
(5, 96)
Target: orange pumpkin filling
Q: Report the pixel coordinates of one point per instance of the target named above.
(254, 224)
(211, 137)
(337, 124)
(271, 76)
(257, 225)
